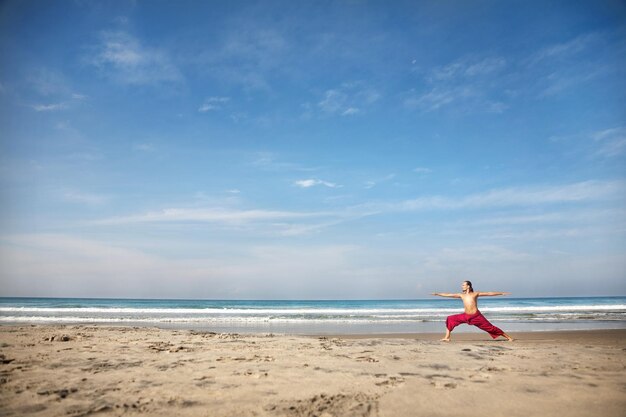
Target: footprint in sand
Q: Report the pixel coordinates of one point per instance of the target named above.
(392, 381)
(480, 378)
(443, 381)
(367, 359)
(345, 405)
(204, 381)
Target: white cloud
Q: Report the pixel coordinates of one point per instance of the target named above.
(373, 183)
(69, 266)
(246, 55)
(333, 102)
(350, 111)
(313, 182)
(467, 97)
(269, 161)
(90, 199)
(512, 197)
(612, 142)
(468, 67)
(348, 99)
(422, 170)
(46, 83)
(571, 77)
(587, 190)
(52, 87)
(63, 105)
(49, 107)
(213, 103)
(215, 215)
(470, 83)
(123, 58)
(564, 49)
(439, 97)
(485, 67)
(144, 147)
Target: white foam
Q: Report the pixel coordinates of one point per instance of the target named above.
(306, 311)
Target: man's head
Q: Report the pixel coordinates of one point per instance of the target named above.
(466, 286)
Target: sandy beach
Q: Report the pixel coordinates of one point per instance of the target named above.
(114, 371)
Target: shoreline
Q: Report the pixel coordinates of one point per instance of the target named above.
(80, 370)
(538, 335)
(338, 329)
(462, 333)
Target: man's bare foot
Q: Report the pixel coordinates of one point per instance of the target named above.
(445, 339)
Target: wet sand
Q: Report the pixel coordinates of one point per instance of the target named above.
(115, 371)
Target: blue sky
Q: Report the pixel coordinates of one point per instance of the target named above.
(336, 149)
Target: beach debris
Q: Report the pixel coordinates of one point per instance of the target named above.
(61, 338)
(202, 334)
(328, 344)
(4, 360)
(166, 347)
(231, 336)
(62, 393)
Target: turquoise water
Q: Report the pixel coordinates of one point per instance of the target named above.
(318, 316)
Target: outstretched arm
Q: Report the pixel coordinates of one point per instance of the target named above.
(492, 294)
(447, 294)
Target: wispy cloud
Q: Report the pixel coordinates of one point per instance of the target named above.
(90, 199)
(422, 170)
(308, 183)
(64, 265)
(214, 215)
(612, 142)
(269, 161)
(53, 89)
(144, 147)
(558, 67)
(436, 98)
(49, 107)
(468, 67)
(348, 99)
(564, 49)
(123, 58)
(465, 96)
(557, 82)
(373, 183)
(467, 83)
(46, 82)
(249, 57)
(213, 103)
(586, 191)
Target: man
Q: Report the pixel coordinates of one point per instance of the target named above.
(472, 315)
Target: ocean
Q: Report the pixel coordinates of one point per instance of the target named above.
(318, 316)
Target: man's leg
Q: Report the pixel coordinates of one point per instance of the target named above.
(452, 322)
(482, 323)
(446, 338)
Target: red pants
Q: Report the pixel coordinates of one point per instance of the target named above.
(477, 319)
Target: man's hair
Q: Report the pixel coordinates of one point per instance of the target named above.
(470, 285)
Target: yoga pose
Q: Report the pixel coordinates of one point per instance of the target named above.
(472, 315)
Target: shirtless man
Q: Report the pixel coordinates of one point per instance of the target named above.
(472, 315)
